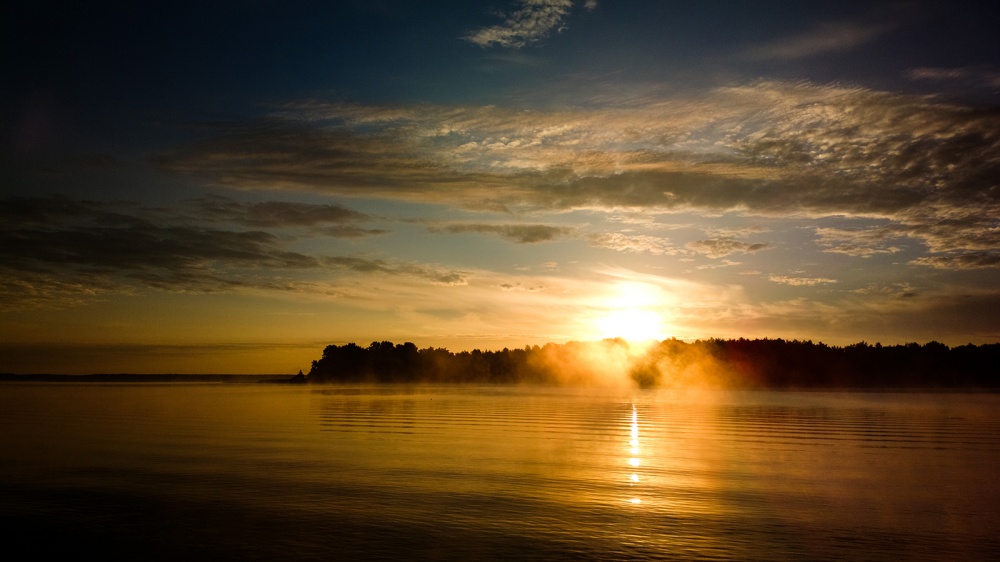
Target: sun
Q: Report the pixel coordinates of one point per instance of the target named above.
(632, 324)
(631, 314)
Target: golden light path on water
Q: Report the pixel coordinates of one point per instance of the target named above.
(634, 461)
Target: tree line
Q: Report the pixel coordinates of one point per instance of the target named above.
(732, 363)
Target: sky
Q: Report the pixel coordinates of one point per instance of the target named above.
(230, 186)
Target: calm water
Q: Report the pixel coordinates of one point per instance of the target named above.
(215, 472)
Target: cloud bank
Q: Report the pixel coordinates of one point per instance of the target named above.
(928, 169)
(59, 251)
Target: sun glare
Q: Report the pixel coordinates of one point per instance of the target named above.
(631, 324)
(631, 314)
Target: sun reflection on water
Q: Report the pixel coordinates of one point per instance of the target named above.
(634, 460)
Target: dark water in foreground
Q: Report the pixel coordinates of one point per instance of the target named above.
(225, 472)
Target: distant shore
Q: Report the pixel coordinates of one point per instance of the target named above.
(712, 363)
(731, 364)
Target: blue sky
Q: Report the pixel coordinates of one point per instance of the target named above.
(230, 186)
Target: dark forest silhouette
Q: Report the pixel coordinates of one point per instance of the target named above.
(740, 363)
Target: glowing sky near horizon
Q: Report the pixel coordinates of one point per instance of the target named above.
(228, 187)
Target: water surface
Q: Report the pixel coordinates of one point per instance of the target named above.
(240, 471)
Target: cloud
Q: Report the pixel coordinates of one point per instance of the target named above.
(529, 24)
(736, 232)
(90, 257)
(146, 246)
(520, 287)
(289, 155)
(800, 281)
(928, 169)
(827, 38)
(395, 268)
(976, 76)
(56, 252)
(967, 260)
(32, 289)
(349, 231)
(863, 243)
(520, 233)
(721, 247)
(276, 213)
(633, 243)
(718, 265)
(896, 290)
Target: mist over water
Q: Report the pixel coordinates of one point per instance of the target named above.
(485, 472)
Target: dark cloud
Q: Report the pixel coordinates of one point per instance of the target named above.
(54, 210)
(387, 267)
(59, 252)
(950, 230)
(327, 220)
(146, 246)
(722, 247)
(43, 210)
(966, 260)
(520, 233)
(520, 287)
(69, 260)
(349, 231)
(276, 213)
(332, 159)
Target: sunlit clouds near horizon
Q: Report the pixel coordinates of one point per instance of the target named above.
(537, 171)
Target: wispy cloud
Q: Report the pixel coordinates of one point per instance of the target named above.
(827, 38)
(965, 260)
(275, 213)
(633, 243)
(718, 265)
(533, 21)
(801, 281)
(722, 247)
(392, 267)
(896, 290)
(520, 233)
(519, 287)
(863, 243)
(976, 76)
(34, 288)
(334, 221)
